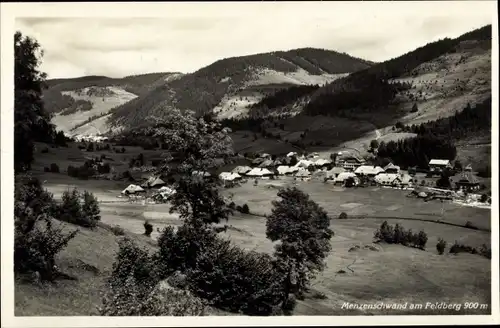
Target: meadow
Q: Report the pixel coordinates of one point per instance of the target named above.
(358, 271)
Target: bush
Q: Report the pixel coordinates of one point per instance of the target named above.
(133, 288)
(232, 205)
(343, 216)
(237, 280)
(398, 235)
(36, 240)
(54, 168)
(148, 229)
(245, 209)
(484, 198)
(461, 248)
(117, 230)
(73, 211)
(132, 299)
(440, 246)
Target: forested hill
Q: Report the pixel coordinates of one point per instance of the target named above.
(215, 84)
(377, 86)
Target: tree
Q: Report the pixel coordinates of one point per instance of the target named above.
(31, 123)
(197, 144)
(414, 108)
(302, 227)
(458, 165)
(444, 181)
(374, 144)
(37, 240)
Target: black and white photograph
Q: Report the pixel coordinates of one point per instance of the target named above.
(297, 161)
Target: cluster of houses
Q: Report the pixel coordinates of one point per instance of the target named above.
(154, 186)
(347, 170)
(90, 138)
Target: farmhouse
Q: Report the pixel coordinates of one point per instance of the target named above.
(229, 176)
(302, 173)
(322, 162)
(468, 182)
(132, 189)
(287, 170)
(368, 170)
(391, 168)
(242, 169)
(153, 182)
(334, 172)
(393, 179)
(350, 162)
(342, 177)
(259, 172)
(438, 165)
(304, 163)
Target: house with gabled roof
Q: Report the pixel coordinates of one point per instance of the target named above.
(438, 165)
(368, 170)
(468, 182)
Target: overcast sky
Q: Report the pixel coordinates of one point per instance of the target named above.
(124, 46)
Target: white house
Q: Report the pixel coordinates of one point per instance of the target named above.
(242, 169)
(304, 163)
(342, 177)
(437, 165)
(132, 189)
(284, 170)
(259, 172)
(368, 170)
(391, 168)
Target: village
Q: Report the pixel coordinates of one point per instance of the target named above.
(344, 170)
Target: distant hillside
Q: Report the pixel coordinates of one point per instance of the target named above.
(232, 83)
(430, 83)
(445, 69)
(76, 102)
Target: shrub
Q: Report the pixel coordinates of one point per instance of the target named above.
(85, 214)
(398, 235)
(133, 288)
(104, 168)
(117, 230)
(134, 300)
(232, 205)
(245, 209)
(484, 198)
(485, 251)
(90, 210)
(54, 168)
(440, 246)
(343, 216)
(36, 240)
(461, 248)
(148, 229)
(237, 280)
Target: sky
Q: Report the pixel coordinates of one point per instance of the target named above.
(195, 37)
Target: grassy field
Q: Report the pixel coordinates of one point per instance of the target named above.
(385, 273)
